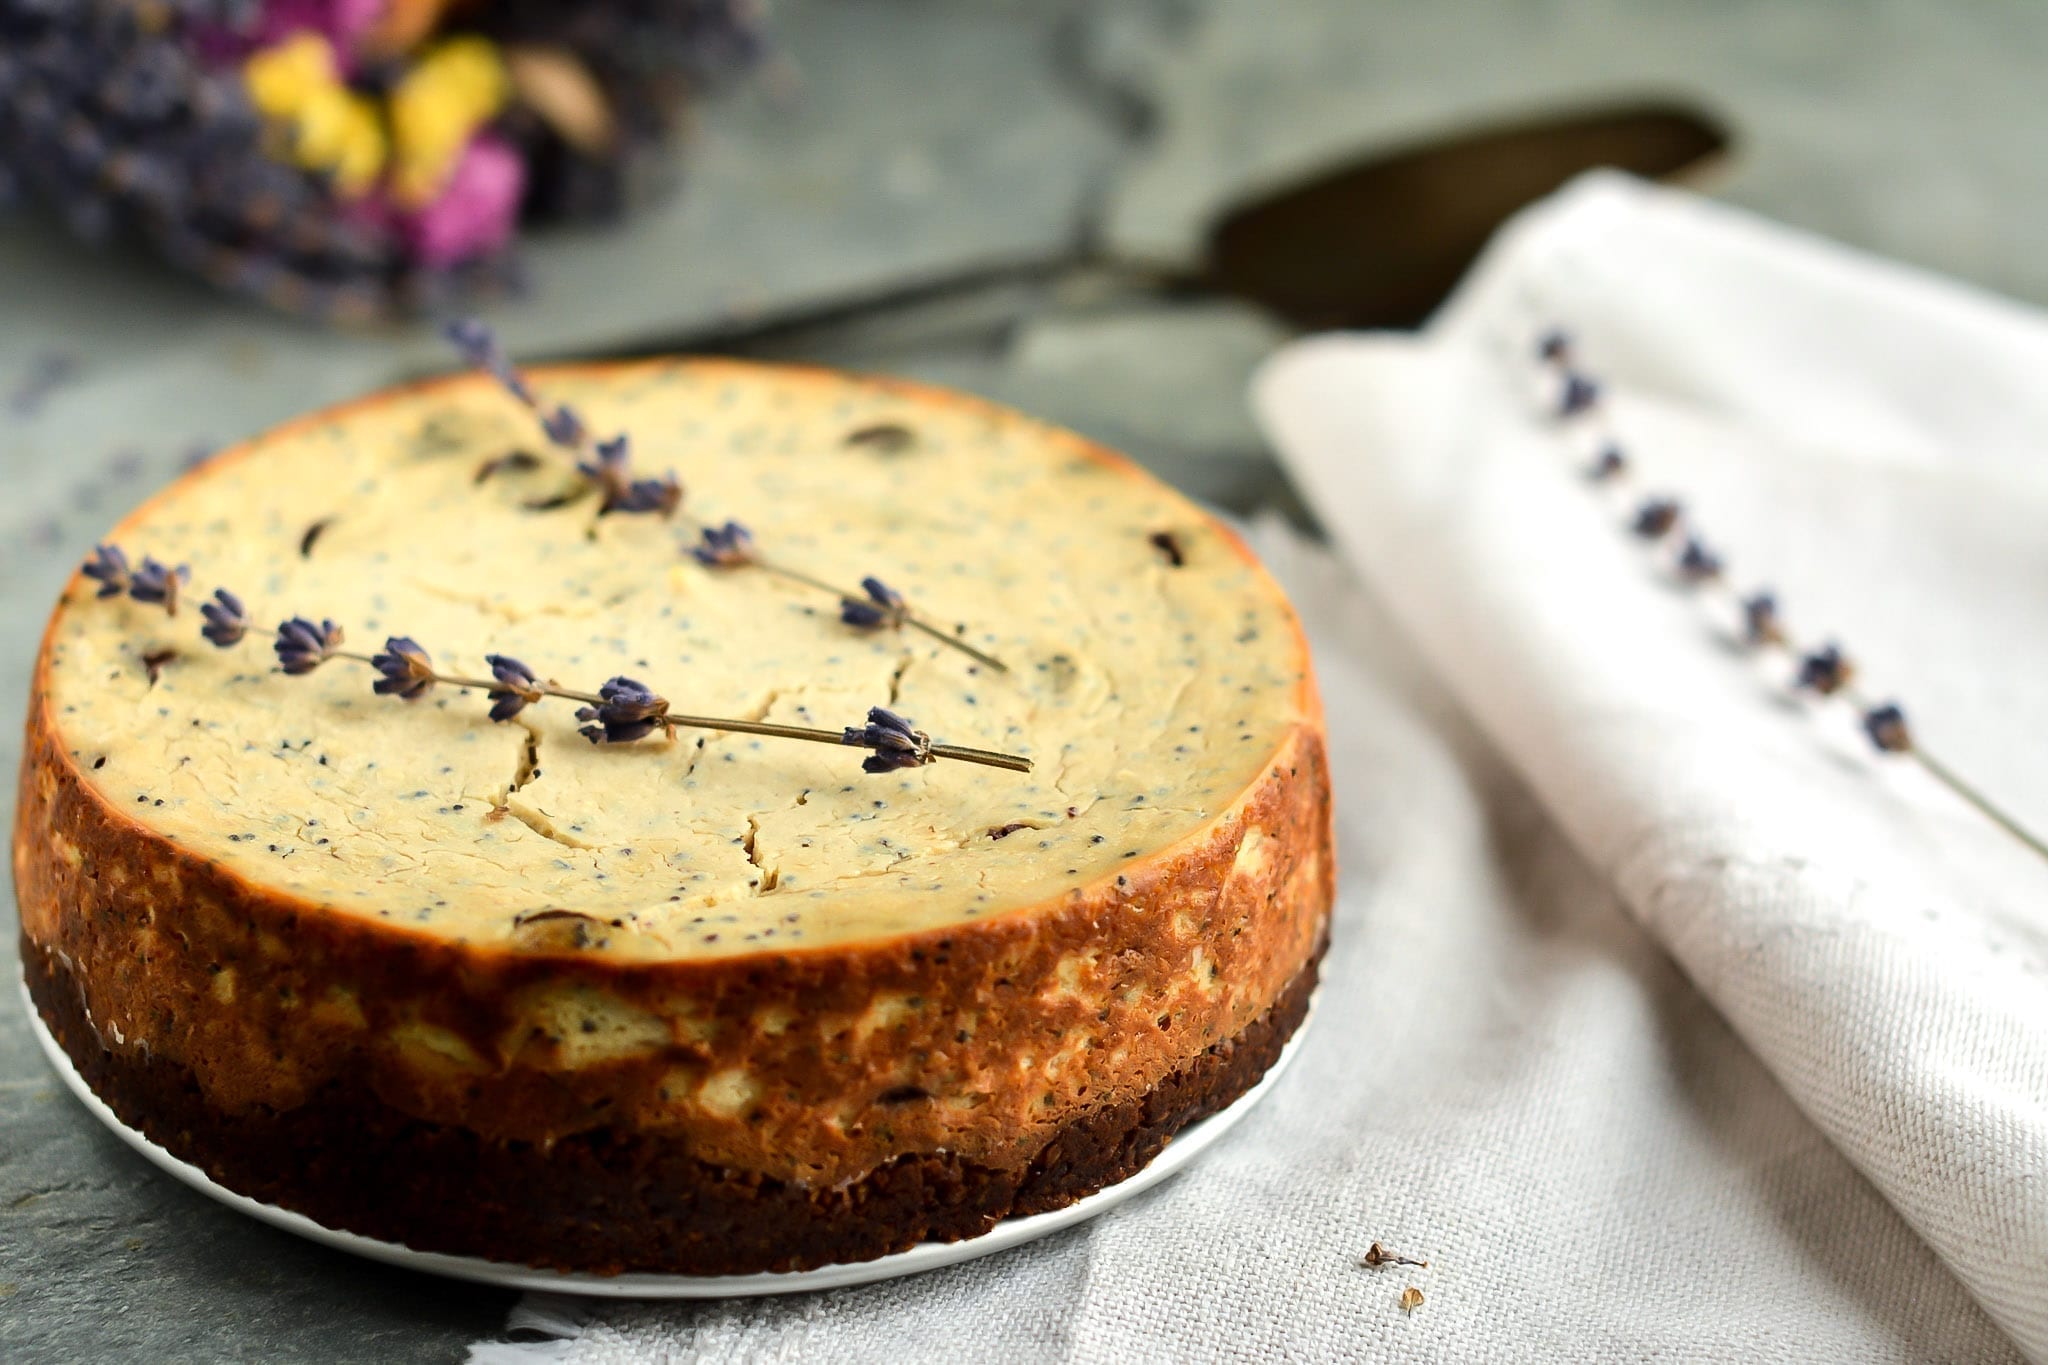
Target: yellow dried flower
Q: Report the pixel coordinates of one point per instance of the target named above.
(338, 131)
(298, 83)
(280, 78)
(456, 88)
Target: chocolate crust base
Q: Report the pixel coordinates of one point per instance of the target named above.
(606, 1202)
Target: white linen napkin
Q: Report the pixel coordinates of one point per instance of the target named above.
(1873, 445)
(1506, 1074)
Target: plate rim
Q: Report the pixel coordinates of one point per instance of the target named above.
(1181, 1150)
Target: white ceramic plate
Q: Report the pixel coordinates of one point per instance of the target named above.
(1190, 1143)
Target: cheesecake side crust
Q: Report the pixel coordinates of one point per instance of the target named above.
(810, 1066)
(977, 1040)
(811, 1069)
(606, 1202)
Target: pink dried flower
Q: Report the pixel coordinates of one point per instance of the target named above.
(477, 209)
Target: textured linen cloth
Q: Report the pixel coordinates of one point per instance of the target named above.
(1562, 793)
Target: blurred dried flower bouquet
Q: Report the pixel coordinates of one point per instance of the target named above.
(350, 160)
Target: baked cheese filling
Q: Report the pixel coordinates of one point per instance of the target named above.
(1153, 669)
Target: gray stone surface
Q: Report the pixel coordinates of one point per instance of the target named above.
(106, 1259)
(921, 138)
(1909, 128)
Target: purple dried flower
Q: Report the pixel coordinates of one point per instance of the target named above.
(302, 646)
(479, 348)
(1697, 563)
(895, 742)
(1608, 464)
(1825, 671)
(1760, 623)
(661, 496)
(408, 672)
(883, 606)
(518, 687)
(628, 710)
(611, 464)
(725, 547)
(473, 341)
(1578, 395)
(612, 473)
(1655, 518)
(1886, 726)
(158, 584)
(109, 568)
(564, 427)
(1554, 346)
(226, 620)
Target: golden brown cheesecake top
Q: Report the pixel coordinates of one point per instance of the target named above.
(1155, 670)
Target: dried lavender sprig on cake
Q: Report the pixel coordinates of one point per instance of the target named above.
(622, 711)
(1823, 670)
(605, 467)
(619, 712)
(602, 466)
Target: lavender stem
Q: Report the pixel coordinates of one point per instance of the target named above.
(988, 758)
(1949, 778)
(909, 619)
(956, 642)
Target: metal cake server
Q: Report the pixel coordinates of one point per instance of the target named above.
(1376, 240)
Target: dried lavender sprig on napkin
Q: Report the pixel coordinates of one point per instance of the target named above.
(1823, 670)
(603, 466)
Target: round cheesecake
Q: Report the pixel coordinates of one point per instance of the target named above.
(702, 1002)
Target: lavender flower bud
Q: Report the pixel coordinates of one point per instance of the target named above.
(894, 742)
(1697, 563)
(473, 341)
(1886, 726)
(725, 547)
(1655, 518)
(408, 672)
(883, 606)
(1760, 624)
(226, 620)
(302, 646)
(519, 688)
(157, 584)
(611, 472)
(1554, 346)
(564, 427)
(627, 710)
(611, 463)
(479, 348)
(1578, 395)
(1608, 464)
(109, 568)
(661, 496)
(1824, 671)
